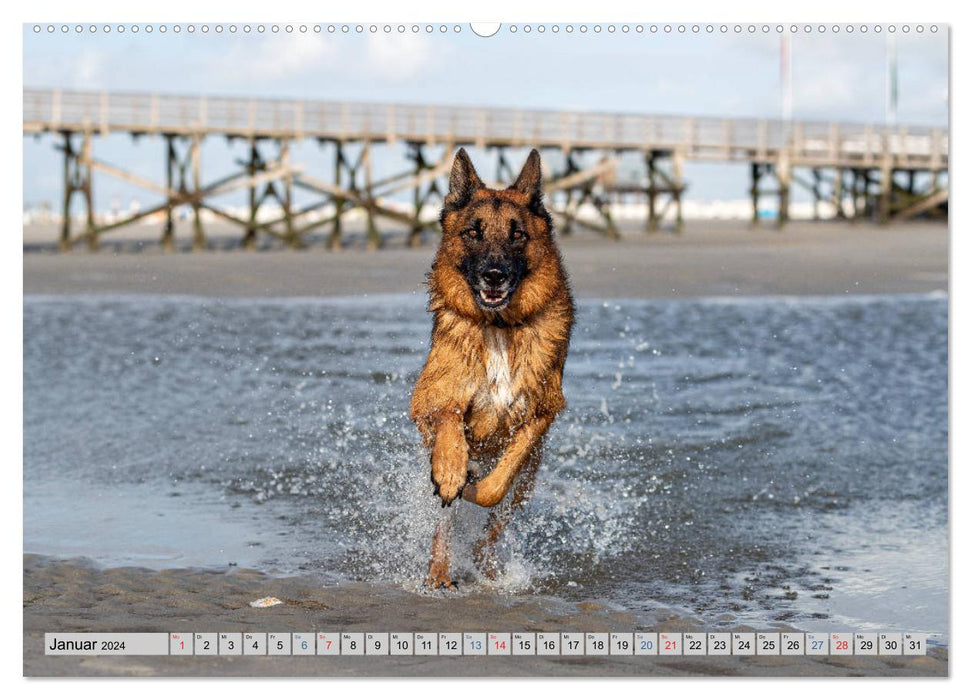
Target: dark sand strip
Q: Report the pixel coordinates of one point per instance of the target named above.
(709, 259)
(66, 596)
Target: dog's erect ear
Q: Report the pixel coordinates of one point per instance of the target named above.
(530, 180)
(530, 183)
(462, 182)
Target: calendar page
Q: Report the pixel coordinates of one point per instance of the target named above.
(449, 349)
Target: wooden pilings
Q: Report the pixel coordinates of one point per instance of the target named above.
(856, 193)
(168, 231)
(865, 171)
(677, 187)
(347, 175)
(781, 172)
(195, 157)
(285, 199)
(783, 175)
(426, 189)
(340, 163)
(758, 171)
(583, 184)
(886, 185)
(253, 165)
(663, 184)
(180, 167)
(582, 189)
(77, 179)
(374, 240)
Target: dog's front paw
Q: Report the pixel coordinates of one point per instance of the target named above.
(449, 470)
(448, 489)
(483, 494)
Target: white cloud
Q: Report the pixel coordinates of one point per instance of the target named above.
(283, 62)
(88, 68)
(279, 57)
(397, 56)
(847, 77)
(84, 71)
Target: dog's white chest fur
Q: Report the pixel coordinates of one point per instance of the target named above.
(497, 368)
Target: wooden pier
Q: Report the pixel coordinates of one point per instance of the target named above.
(863, 171)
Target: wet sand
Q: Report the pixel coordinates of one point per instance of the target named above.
(65, 596)
(708, 259)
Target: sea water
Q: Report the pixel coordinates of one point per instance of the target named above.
(749, 461)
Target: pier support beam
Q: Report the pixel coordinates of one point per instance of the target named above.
(757, 172)
(87, 190)
(374, 240)
(334, 241)
(678, 187)
(880, 174)
(504, 171)
(783, 175)
(651, 194)
(346, 174)
(659, 184)
(859, 194)
(782, 172)
(269, 180)
(423, 192)
(195, 157)
(838, 185)
(886, 194)
(77, 179)
(181, 189)
(817, 194)
(584, 185)
(253, 165)
(168, 229)
(291, 237)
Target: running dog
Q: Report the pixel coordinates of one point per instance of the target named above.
(492, 383)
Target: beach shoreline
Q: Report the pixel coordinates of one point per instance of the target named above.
(76, 596)
(708, 259)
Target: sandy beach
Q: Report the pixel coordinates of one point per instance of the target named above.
(708, 260)
(73, 596)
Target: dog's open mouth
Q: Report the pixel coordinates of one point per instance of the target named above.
(492, 298)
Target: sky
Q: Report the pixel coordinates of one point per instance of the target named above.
(839, 77)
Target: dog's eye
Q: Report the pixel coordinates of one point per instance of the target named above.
(472, 234)
(518, 234)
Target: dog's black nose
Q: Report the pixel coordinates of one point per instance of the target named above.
(494, 277)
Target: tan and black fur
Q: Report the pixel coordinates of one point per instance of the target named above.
(492, 383)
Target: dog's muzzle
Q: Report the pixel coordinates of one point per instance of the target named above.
(494, 288)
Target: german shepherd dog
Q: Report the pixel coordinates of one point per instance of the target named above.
(492, 383)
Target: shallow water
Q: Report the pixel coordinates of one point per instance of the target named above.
(747, 461)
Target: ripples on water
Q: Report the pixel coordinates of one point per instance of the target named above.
(723, 456)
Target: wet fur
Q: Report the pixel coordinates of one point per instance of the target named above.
(492, 383)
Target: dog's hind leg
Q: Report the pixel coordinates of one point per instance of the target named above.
(484, 551)
(439, 576)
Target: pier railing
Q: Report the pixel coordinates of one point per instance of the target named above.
(854, 168)
(699, 138)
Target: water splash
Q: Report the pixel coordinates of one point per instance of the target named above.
(705, 441)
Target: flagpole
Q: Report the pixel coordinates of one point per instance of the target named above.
(785, 77)
(892, 93)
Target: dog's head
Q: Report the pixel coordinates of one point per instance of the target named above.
(495, 243)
